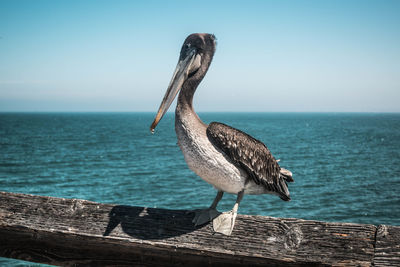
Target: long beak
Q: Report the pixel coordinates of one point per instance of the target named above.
(180, 75)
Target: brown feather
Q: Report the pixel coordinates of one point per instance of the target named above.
(251, 155)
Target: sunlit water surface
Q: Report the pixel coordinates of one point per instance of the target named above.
(346, 166)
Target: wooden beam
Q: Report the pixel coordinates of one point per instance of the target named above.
(387, 249)
(75, 232)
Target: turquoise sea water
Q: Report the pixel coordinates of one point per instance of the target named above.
(346, 166)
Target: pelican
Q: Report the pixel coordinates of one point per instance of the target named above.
(229, 159)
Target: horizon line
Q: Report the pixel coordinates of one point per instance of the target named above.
(171, 112)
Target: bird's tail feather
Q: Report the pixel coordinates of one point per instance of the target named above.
(286, 176)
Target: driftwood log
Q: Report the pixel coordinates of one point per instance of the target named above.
(78, 233)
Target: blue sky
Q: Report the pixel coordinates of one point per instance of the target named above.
(271, 56)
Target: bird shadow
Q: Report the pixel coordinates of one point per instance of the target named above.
(150, 223)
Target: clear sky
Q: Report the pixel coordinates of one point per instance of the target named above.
(271, 55)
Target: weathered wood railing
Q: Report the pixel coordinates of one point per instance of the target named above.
(77, 232)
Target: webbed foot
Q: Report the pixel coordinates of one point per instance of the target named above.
(225, 222)
(204, 216)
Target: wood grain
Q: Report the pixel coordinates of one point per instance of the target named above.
(387, 250)
(78, 232)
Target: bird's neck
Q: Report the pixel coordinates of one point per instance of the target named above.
(184, 109)
(185, 98)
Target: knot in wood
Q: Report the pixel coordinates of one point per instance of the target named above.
(382, 231)
(293, 237)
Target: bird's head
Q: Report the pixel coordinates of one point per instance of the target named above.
(195, 58)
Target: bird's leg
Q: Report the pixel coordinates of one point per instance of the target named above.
(206, 215)
(224, 223)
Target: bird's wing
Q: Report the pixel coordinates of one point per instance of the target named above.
(251, 155)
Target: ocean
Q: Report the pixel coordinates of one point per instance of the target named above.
(346, 166)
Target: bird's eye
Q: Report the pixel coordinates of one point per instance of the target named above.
(188, 45)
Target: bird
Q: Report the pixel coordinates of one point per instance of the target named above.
(227, 158)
